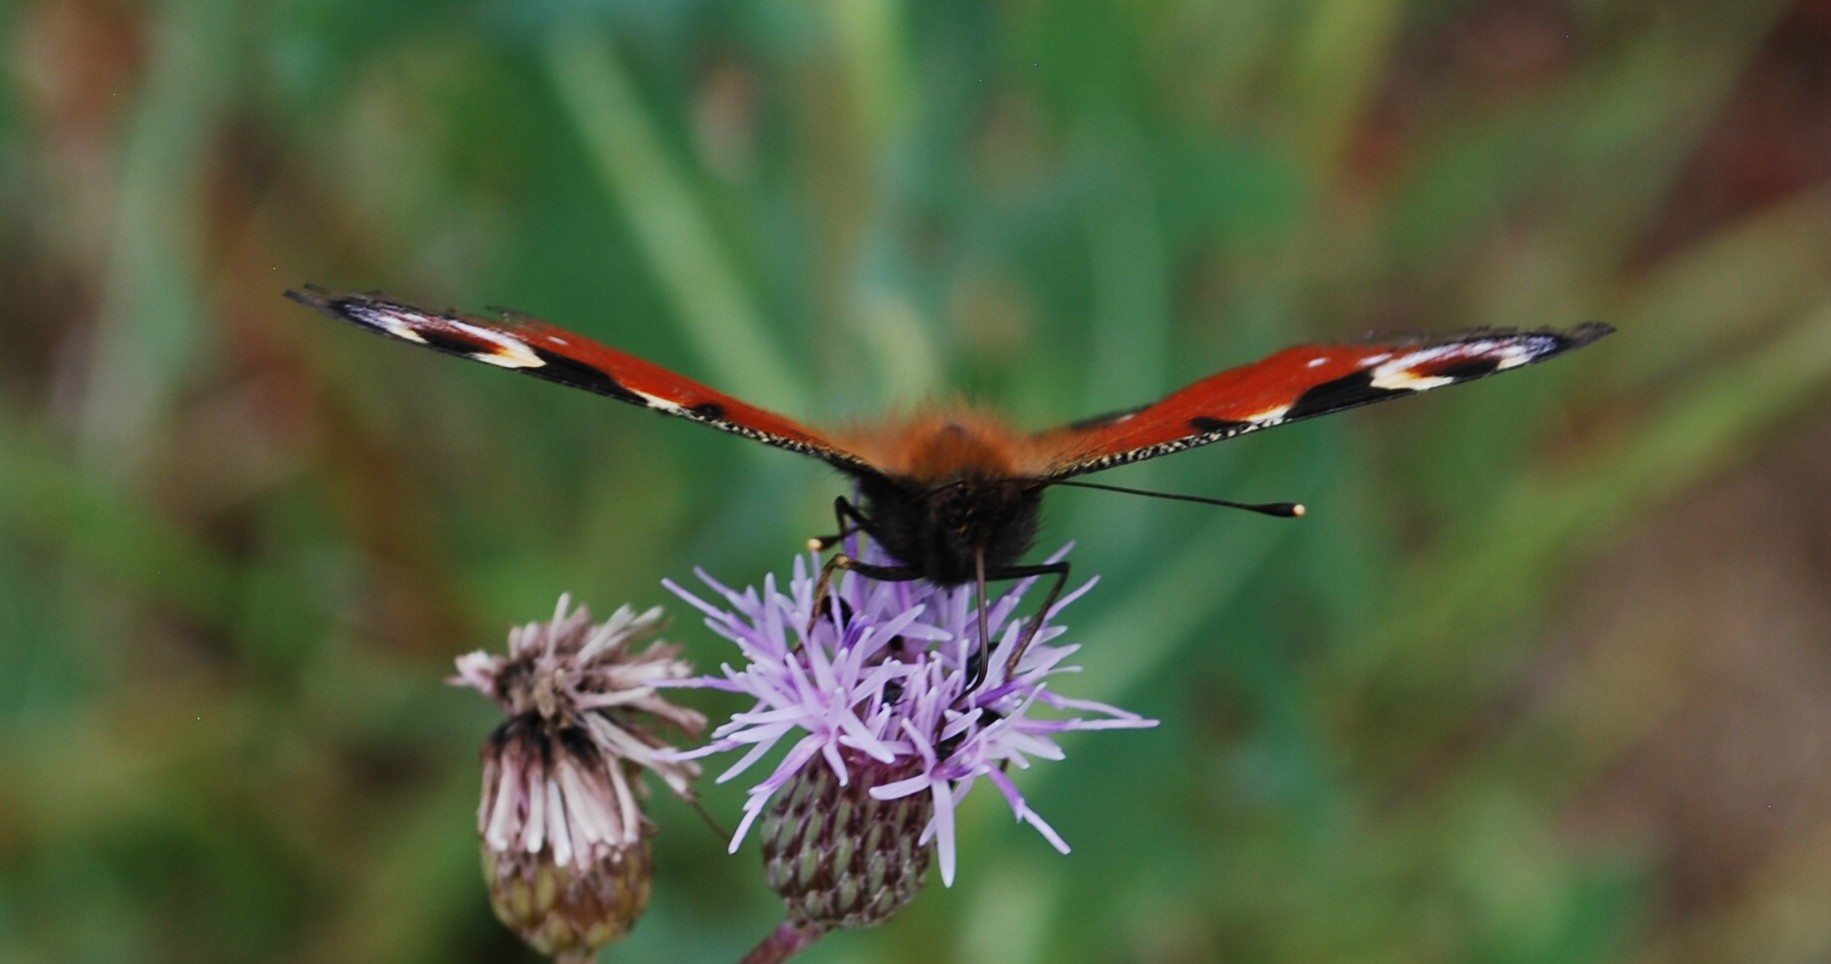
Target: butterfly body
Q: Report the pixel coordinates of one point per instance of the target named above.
(953, 531)
(954, 494)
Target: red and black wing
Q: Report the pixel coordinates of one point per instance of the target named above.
(544, 351)
(1297, 383)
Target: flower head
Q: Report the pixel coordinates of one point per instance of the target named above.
(873, 696)
(565, 846)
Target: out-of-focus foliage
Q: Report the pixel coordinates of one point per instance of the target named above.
(1540, 679)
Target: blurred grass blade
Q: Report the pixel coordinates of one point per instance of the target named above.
(670, 224)
(1733, 287)
(1770, 919)
(149, 331)
(1334, 72)
(866, 34)
(1501, 567)
(1145, 630)
(1130, 336)
(52, 500)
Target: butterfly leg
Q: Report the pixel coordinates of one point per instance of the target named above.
(1057, 569)
(823, 588)
(842, 512)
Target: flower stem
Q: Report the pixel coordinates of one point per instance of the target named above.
(791, 938)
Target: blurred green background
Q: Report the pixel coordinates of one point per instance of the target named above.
(1542, 678)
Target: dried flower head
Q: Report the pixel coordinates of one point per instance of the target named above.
(884, 737)
(565, 848)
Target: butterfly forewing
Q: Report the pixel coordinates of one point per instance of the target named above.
(942, 446)
(544, 351)
(1297, 383)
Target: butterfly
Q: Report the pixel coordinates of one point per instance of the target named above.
(952, 495)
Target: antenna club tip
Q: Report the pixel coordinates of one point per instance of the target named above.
(816, 544)
(1298, 510)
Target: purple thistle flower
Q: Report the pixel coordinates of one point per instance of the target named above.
(878, 690)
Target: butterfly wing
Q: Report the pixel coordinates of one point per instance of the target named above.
(1297, 383)
(544, 351)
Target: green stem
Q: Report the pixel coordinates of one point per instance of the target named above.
(787, 940)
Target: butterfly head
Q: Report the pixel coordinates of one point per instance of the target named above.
(946, 530)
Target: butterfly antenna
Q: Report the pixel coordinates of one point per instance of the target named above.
(1282, 510)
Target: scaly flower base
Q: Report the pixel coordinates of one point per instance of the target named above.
(565, 909)
(840, 857)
